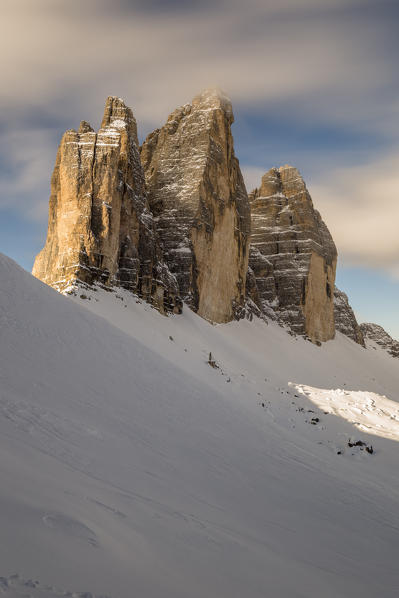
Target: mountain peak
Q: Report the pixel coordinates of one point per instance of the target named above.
(213, 99)
(118, 116)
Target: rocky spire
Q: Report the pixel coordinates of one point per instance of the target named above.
(293, 257)
(198, 197)
(100, 227)
(345, 319)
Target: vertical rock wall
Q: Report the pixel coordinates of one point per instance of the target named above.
(100, 227)
(293, 256)
(376, 334)
(198, 197)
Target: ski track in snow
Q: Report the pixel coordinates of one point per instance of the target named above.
(131, 467)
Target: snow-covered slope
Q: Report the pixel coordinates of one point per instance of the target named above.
(129, 466)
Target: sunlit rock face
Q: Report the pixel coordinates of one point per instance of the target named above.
(377, 334)
(100, 227)
(345, 319)
(197, 195)
(293, 256)
(175, 223)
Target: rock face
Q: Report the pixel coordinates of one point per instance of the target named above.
(345, 319)
(176, 223)
(197, 195)
(293, 257)
(376, 334)
(100, 226)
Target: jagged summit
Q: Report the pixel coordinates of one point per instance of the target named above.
(119, 116)
(214, 99)
(292, 181)
(285, 180)
(85, 127)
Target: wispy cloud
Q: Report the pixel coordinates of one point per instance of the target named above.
(361, 208)
(71, 55)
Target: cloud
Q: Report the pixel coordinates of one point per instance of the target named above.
(361, 208)
(26, 159)
(71, 55)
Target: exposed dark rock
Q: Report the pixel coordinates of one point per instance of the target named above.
(345, 319)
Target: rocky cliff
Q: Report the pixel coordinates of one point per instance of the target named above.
(100, 226)
(176, 223)
(373, 333)
(197, 195)
(293, 257)
(345, 319)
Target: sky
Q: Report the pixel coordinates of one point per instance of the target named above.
(314, 83)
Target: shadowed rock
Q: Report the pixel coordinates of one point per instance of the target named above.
(345, 319)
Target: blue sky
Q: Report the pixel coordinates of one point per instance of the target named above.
(314, 83)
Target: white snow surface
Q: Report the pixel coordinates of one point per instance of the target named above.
(130, 467)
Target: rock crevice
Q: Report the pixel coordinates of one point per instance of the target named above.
(172, 221)
(376, 334)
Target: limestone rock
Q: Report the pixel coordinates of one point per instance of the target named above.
(100, 226)
(293, 256)
(376, 334)
(198, 198)
(345, 319)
